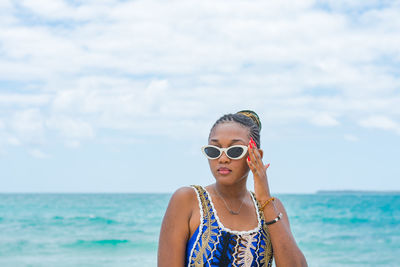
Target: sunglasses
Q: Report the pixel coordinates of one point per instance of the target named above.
(232, 152)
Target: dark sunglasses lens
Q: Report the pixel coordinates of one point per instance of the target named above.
(212, 152)
(234, 152)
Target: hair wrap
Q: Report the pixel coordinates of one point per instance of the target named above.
(252, 115)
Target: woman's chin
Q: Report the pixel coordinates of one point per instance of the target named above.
(226, 179)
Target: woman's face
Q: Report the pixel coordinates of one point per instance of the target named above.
(225, 170)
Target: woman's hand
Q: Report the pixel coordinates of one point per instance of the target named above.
(259, 170)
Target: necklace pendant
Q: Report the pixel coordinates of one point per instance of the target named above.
(226, 205)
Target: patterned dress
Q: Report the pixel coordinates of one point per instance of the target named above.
(212, 244)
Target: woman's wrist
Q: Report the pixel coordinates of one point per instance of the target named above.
(270, 211)
(262, 190)
(264, 196)
(266, 202)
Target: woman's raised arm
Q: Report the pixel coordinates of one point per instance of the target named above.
(286, 251)
(175, 228)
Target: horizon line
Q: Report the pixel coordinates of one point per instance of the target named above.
(348, 191)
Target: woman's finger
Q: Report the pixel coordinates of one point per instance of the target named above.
(253, 160)
(266, 166)
(252, 167)
(255, 156)
(255, 165)
(258, 156)
(251, 154)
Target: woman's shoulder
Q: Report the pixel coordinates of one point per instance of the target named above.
(184, 195)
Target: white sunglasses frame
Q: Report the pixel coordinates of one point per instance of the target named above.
(222, 150)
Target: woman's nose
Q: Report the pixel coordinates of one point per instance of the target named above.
(223, 158)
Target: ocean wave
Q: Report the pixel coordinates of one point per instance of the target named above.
(89, 218)
(98, 243)
(346, 221)
(17, 246)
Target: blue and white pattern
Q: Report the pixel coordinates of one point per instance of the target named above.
(212, 244)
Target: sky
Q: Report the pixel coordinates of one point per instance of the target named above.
(119, 96)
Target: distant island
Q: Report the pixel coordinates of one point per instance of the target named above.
(357, 192)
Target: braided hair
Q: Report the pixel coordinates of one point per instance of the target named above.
(246, 118)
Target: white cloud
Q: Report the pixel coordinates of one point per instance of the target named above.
(23, 100)
(169, 67)
(381, 122)
(72, 143)
(28, 125)
(351, 138)
(5, 4)
(7, 140)
(12, 140)
(61, 10)
(206, 41)
(71, 128)
(342, 5)
(324, 120)
(36, 153)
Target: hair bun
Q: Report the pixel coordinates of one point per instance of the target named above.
(252, 115)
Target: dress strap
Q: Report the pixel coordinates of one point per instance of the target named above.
(207, 228)
(257, 206)
(203, 201)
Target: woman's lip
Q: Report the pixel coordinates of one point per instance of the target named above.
(224, 170)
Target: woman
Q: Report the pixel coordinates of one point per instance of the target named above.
(224, 224)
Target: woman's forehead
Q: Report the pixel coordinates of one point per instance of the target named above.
(229, 131)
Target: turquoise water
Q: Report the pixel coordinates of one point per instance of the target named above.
(122, 229)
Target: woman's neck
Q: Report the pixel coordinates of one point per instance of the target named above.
(235, 191)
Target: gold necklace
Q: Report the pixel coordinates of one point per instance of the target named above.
(226, 205)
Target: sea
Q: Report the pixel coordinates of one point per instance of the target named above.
(331, 228)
